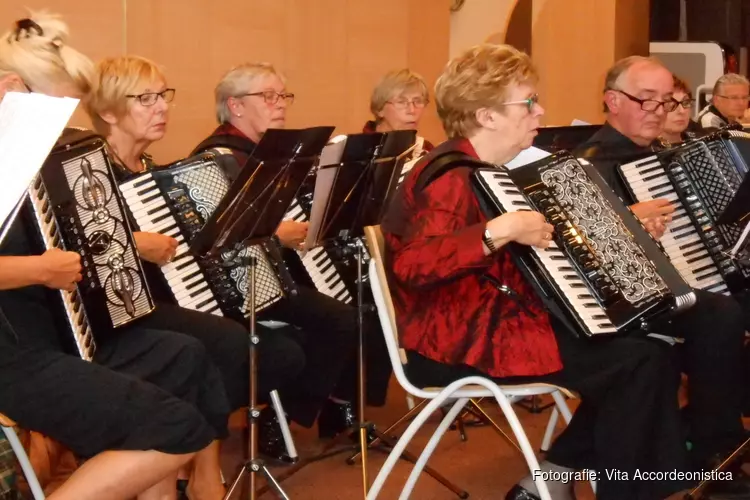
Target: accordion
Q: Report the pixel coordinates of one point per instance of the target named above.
(699, 178)
(176, 200)
(319, 267)
(602, 273)
(76, 206)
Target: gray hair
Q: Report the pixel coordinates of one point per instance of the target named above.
(237, 81)
(729, 79)
(613, 80)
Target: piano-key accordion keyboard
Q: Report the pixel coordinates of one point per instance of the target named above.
(699, 178)
(176, 201)
(602, 272)
(75, 204)
(324, 270)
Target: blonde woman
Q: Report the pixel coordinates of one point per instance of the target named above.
(134, 434)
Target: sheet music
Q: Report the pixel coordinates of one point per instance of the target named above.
(331, 155)
(30, 124)
(529, 155)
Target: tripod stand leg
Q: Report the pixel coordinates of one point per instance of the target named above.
(479, 411)
(406, 455)
(274, 484)
(253, 464)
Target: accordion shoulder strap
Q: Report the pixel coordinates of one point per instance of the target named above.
(444, 163)
(226, 141)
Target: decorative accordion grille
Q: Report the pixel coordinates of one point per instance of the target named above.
(206, 185)
(114, 257)
(610, 241)
(715, 180)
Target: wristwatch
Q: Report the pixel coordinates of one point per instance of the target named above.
(487, 238)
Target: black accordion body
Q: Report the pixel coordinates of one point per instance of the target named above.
(77, 208)
(603, 273)
(699, 178)
(176, 200)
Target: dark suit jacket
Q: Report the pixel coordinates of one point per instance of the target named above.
(444, 309)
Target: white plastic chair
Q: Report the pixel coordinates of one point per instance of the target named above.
(461, 390)
(7, 426)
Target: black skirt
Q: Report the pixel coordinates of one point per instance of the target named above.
(90, 408)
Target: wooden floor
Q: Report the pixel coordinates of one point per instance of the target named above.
(485, 465)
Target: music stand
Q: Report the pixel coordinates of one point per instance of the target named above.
(364, 180)
(250, 213)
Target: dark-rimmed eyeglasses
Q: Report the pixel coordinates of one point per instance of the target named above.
(686, 102)
(271, 96)
(651, 105)
(150, 98)
(528, 102)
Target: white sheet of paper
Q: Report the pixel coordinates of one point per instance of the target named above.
(30, 124)
(331, 155)
(527, 156)
(577, 122)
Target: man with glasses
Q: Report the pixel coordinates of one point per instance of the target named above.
(638, 95)
(729, 103)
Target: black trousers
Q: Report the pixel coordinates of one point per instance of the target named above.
(280, 357)
(712, 357)
(628, 417)
(90, 408)
(327, 335)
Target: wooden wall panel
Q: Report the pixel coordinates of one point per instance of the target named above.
(332, 51)
(574, 44)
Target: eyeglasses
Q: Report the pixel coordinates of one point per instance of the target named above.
(271, 96)
(529, 102)
(735, 97)
(150, 98)
(417, 102)
(651, 105)
(686, 102)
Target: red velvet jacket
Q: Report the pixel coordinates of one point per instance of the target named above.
(444, 310)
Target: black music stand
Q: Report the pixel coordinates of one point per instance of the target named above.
(364, 181)
(250, 213)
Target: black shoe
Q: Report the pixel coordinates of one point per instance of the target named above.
(519, 493)
(270, 439)
(335, 418)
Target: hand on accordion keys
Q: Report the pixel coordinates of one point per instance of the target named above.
(655, 215)
(524, 227)
(60, 270)
(292, 234)
(154, 247)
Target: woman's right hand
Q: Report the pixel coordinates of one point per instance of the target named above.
(524, 227)
(59, 269)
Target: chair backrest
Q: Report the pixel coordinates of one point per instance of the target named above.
(384, 304)
(376, 246)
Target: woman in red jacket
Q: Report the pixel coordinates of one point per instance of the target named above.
(453, 323)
